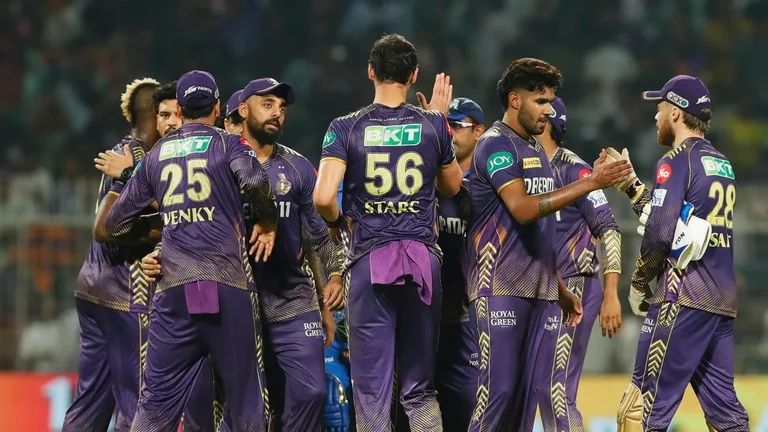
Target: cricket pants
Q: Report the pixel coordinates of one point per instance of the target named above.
(388, 325)
(515, 337)
(457, 374)
(295, 366)
(558, 403)
(678, 346)
(112, 354)
(178, 344)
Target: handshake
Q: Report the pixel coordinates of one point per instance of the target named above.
(689, 241)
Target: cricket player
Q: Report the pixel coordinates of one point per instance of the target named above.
(457, 357)
(111, 297)
(201, 407)
(233, 123)
(294, 313)
(513, 279)
(392, 156)
(687, 336)
(579, 226)
(206, 303)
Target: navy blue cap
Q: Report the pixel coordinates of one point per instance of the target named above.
(265, 86)
(685, 92)
(197, 89)
(462, 108)
(232, 103)
(557, 118)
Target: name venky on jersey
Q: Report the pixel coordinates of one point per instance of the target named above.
(199, 185)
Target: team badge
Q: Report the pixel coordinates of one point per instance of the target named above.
(283, 185)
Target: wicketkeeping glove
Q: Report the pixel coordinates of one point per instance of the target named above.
(614, 156)
(336, 418)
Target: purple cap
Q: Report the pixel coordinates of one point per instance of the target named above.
(233, 103)
(265, 86)
(557, 118)
(196, 89)
(685, 92)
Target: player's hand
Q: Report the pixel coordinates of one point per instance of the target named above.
(610, 314)
(263, 240)
(442, 95)
(606, 174)
(329, 325)
(150, 265)
(334, 294)
(113, 164)
(638, 301)
(613, 156)
(571, 306)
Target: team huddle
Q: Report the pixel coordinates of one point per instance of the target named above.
(465, 260)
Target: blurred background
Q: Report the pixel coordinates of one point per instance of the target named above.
(64, 64)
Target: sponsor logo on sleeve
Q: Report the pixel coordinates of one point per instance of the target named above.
(658, 197)
(597, 198)
(393, 136)
(531, 162)
(717, 167)
(498, 161)
(663, 173)
(329, 138)
(584, 173)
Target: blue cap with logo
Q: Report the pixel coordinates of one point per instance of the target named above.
(685, 92)
(232, 103)
(462, 108)
(196, 89)
(557, 118)
(265, 86)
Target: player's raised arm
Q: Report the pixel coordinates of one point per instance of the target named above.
(638, 194)
(527, 208)
(666, 204)
(122, 219)
(333, 166)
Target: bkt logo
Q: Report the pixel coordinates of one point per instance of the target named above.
(717, 167)
(677, 99)
(391, 136)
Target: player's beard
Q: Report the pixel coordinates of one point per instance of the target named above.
(260, 132)
(666, 136)
(532, 125)
(168, 130)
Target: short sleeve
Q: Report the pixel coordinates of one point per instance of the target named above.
(447, 152)
(497, 162)
(594, 207)
(335, 142)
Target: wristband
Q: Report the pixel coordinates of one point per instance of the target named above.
(126, 174)
(634, 190)
(338, 223)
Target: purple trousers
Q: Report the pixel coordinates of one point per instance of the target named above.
(295, 366)
(391, 325)
(680, 346)
(515, 337)
(179, 345)
(558, 397)
(457, 374)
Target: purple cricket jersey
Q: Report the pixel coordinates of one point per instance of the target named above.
(453, 215)
(508, 258)
(285, 281)
(392, 157)
(111, 275)
(195, 174)
(698, 173)
(581, 222)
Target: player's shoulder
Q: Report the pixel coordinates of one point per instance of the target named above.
(347, 120)
(297, 159)
(495, 138)
(429, 114)
(571, 158)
